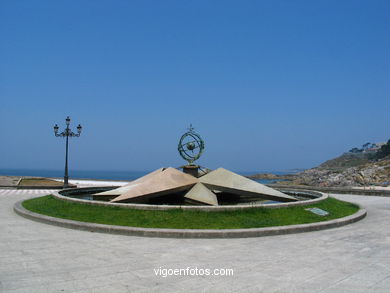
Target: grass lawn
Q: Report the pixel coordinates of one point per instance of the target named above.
(184, 219)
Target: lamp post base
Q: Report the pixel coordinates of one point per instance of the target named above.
(66, 182)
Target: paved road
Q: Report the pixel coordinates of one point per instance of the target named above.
(40, 258)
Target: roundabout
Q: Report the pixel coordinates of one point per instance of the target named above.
(193, 203)
(198, 232)
(232, 221)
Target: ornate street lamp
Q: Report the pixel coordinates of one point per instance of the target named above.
(67, 133)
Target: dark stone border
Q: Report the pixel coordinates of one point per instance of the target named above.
(188, 233)
(320, 197)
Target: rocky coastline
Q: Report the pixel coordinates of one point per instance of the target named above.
(346, 170)
(374, 174)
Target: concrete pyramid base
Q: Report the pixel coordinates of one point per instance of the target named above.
(202, 194)
(170, 181)
(227, 181)
(120, 190)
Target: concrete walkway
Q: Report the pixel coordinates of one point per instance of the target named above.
(40, 258)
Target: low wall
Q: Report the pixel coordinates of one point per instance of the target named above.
(336, 190)
(319, 196)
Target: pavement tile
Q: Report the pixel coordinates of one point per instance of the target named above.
(36, 257)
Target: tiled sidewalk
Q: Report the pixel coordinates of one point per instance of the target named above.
(40, 258)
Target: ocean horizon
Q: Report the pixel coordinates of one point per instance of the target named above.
(103, 174)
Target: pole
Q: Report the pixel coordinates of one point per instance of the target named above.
(66, 165)
(67, 133)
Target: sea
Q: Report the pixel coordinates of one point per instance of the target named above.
(108, 174)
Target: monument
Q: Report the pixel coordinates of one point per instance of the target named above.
(193, 185)
(190, 148)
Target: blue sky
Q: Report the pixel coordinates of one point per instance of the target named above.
(269, 85)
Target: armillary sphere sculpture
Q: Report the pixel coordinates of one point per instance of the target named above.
(190, 146)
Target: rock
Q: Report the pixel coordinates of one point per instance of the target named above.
(373, 173)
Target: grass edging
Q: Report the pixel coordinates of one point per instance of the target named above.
(189, 233)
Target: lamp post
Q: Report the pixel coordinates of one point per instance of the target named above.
(67, 133)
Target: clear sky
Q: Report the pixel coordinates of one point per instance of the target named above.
(269, 85)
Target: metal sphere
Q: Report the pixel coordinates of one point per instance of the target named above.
(190, 146)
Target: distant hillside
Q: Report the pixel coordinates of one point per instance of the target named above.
(370, 152)
(347, 160)
(369, 165)
(366, 166)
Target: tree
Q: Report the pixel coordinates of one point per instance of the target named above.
(384, 150)
(365, 146)
(354, 150)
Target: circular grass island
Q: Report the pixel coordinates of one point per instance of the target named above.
(191, 223)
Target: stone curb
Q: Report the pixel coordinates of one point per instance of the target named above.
(39, 187)
(322, 196)
(31, 187)
(188, 233)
